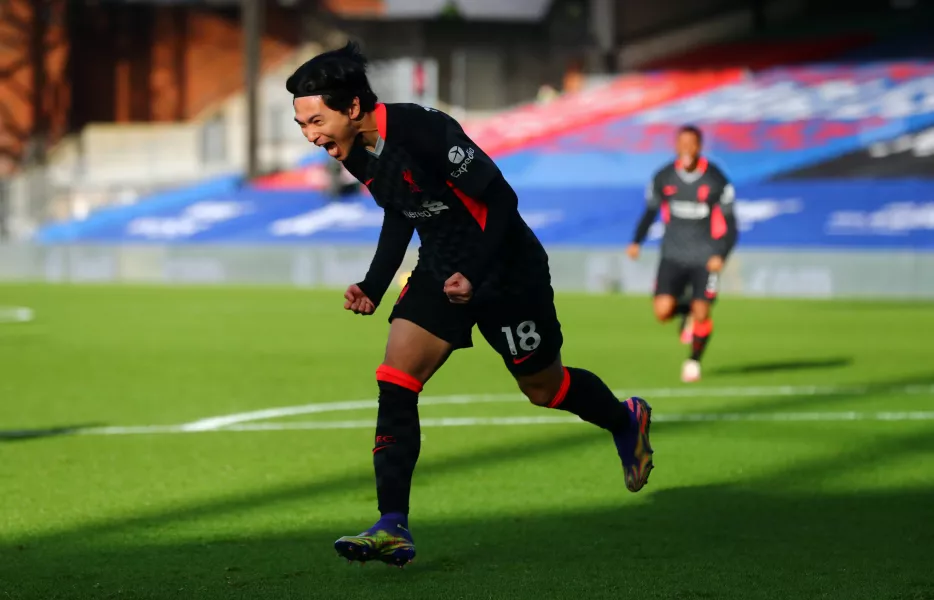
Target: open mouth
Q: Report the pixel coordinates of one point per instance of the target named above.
(332, 149)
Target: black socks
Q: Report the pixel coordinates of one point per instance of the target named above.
(398, 439)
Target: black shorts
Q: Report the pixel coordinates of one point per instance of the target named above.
(673, 279)
(523, 329)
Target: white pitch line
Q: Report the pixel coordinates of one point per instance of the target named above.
(223, 421)
(131, 430)
(16, 314)
(323, 407)
(539, 420)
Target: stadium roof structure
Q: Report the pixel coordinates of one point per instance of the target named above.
(491, 10)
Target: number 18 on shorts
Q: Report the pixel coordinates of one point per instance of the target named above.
(529, 340)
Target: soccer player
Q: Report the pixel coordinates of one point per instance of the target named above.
(479, 263)
(696, 202)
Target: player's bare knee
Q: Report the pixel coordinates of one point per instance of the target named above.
(414, 351)
(664, 312)
(539, 394)
(700, 311)
(542, 387)
(664, 307)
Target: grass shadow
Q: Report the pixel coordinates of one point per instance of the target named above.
(21, 435)
(782, 366)
(701, 542)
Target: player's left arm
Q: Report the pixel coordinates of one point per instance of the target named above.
(478, 182)
(723, 225)
(394, 239)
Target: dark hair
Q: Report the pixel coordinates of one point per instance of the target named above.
(693, 129)
(338, 76)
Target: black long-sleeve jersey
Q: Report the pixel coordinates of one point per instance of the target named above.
(430, 177)
(697, 209)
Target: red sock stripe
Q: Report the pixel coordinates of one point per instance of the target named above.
(400, 378)
(562, 391)
(703, 328)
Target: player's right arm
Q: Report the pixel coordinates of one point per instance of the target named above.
(653, 203)
(394, 238)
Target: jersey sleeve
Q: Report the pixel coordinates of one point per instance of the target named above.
(454, 156)
(474, 178)
(394, 238)
(723, 227)
(653, 203)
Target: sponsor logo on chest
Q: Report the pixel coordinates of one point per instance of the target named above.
(692, 210)
(430, 208)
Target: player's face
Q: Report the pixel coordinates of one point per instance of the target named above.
(688, 148)
(324, 127)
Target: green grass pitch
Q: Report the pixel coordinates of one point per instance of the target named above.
(801, 467)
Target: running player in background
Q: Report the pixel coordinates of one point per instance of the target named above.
(479, 263)
(695, 200)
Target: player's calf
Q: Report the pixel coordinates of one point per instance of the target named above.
(398, 439)
(701, 336)
(577, 391)
(702, 329)
(691, 369)
(683, 310)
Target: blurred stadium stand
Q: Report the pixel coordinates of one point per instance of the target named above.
(823, 122)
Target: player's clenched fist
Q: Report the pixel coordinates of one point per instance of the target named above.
(632, 251)
(357, 301)
(458, 289)
(715, 264)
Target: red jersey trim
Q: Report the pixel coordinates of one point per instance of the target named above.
(380, 113)
(475, 207)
